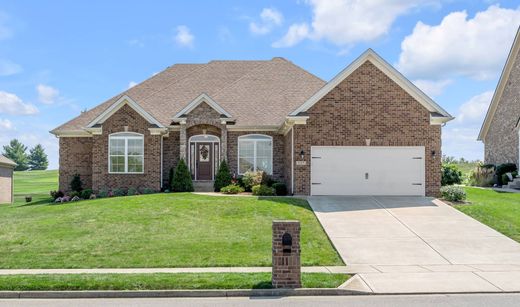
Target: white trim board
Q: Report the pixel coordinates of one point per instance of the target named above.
(502, 82)
(197, 101)
(124, 100)
(386, 68)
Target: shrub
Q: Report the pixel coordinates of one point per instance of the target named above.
(251, 179)
(181, 181)
(263, 190)
(148, 191)
(74, 194)
(170, 177)
(223, 178)
(453, 193)
(85, 194)
(56, 194)
(451, 174)
(76, 184)
(502, 169)
(280, 188)
(102, 193)
(232, 189)
(118, 192)
(131, 192)
(482, 176)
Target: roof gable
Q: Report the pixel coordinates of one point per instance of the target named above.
(388, 70)
(502, 82)
(124, 100)
(203, 98)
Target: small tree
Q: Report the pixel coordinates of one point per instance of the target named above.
(223, 178)
(16, 151)
(181, 181)
(38, 158)
(451, 174)
(76, 184)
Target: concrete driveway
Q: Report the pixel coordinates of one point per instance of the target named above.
(417, 235)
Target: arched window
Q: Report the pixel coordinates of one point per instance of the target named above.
(126, 153)
(255, 153)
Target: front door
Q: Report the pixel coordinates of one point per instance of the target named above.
(204, 160)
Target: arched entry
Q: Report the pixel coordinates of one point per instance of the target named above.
(203, 156)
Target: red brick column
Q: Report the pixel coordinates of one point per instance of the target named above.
(286, 254)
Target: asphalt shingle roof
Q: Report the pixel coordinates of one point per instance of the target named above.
(255, 93)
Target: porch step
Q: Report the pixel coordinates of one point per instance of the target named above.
(203, 185)
(515, 184)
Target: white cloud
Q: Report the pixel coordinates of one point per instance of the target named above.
(8, 68)
(47, 94)
(183, 36)
(5, 124)
(295, 34)
(12, 104)
(131, 84)
(432, 88)
(474, 47)
(459, 137)
(344, 22)
(270, 17)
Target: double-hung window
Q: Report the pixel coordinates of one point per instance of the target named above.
(126, 153)
(255, 153)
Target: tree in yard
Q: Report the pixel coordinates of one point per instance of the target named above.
(223, 178)
(16, 151)
(38, 158)
(181, 181)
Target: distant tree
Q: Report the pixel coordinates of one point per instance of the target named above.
(38, 158)
(16, 151)
(448, 159)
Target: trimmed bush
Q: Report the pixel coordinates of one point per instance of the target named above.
(280, 188)
(118, 192)
(131, 192)
(56, 194)
(501, 169)
(76, 184)
(170, 177)
(85, 194)
(232, 189)
(181, 181)
(74, 194)
(102, 193)
(453, 193)
(251, 179)
(223, 178)
(148, 191)
(451, 174)
(263, 190)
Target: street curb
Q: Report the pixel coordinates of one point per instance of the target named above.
(179, 293)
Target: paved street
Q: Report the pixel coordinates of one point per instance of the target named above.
(418, 245)
(473, 300)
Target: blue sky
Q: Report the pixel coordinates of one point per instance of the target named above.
(60, 57)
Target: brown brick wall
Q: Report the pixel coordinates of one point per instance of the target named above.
(368, 105)
(278, 152)
(501, 142)
(286, 270)
(101, 179)
(75, 157)
(287, 141)
(170, 154)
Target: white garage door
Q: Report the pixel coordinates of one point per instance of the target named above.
(370, 170)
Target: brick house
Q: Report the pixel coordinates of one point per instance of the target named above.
(368, 131)
(500, 131)
(6, 180)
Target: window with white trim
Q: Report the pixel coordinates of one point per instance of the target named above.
(255, 153)
(126, 153)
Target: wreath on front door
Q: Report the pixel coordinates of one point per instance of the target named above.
(204, 152)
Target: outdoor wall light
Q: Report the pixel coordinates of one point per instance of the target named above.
(433, 153)
(302, 154)
(367, 141)
(204, 131)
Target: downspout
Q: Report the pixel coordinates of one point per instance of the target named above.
(162, 182)
(292, 160)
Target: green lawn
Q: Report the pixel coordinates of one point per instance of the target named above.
(37, 184)
(158, 230)
(498, 210)
(159, 281)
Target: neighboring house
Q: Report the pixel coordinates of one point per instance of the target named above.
(500, 131)
(367, 131)
(6, 180)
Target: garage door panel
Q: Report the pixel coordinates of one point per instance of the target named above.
(367, 170)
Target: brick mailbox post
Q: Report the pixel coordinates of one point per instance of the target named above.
(286, 254)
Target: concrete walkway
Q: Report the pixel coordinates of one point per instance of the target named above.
(418, 245)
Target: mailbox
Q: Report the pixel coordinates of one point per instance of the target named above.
(286, 243)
